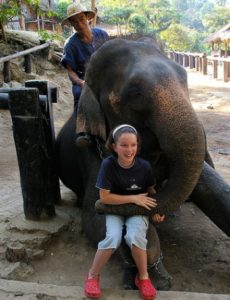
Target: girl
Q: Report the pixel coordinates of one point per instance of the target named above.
(124, 178)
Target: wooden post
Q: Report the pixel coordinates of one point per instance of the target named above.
(197, 63)
(181, 59)
(215, 69)
(52, 179)
(225, 71)
(186, 61)
(204, 64)
(28, 66)
(42, 21)
(6, 71)
(201, 63)
(38, 22)
(174, 56)
(31, 147)
(191, 61)
(225, 49)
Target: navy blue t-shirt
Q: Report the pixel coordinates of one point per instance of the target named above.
(125, 181)
(77, 53)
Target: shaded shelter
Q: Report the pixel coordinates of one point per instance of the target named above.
(220, 41)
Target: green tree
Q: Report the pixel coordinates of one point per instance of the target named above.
(221, 2)
(115, 13)
(8, 10)
(219, 18)
(138, 23)
(178, 37)
(159, 13)
(12, 8)
(179, 5)
(143, 15)
(61, 9)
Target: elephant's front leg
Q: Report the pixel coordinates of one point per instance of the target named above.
(212, 196)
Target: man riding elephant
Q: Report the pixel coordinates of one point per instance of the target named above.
(135, 83)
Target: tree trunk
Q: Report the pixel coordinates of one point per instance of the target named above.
(21, 17)
(22, 22)
(3, 32)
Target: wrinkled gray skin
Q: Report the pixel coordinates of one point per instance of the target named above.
(133, 82)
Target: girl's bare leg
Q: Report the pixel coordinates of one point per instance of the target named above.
(100, 259)
(140, 258)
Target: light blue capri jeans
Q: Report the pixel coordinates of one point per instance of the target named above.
(136, 231)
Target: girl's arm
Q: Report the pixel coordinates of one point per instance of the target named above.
(140, 199)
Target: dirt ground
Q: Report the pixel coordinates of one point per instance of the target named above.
(196, 252)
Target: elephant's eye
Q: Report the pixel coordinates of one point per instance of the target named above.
(114, 101)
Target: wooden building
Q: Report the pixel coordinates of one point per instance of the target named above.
(220, 41)
(35, 19)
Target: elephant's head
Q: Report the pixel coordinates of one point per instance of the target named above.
(133, 82)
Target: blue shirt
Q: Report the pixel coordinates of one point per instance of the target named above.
(125, 181)
(77, 53)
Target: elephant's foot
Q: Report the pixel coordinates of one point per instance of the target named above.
(159, 275)
(157, 272)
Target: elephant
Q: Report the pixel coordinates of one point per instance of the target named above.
(134, 82)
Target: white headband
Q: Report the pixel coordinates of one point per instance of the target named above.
(122, 126)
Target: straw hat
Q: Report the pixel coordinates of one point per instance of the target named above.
(75, 9)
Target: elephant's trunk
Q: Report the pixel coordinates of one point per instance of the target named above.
(181, 138)
(207, 197)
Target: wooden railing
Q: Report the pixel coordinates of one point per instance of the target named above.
(214, 66)
(26, 53)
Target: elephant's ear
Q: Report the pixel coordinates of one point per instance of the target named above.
(90, 117)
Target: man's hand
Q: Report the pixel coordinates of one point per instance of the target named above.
(157, 218)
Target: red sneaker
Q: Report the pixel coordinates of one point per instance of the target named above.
(92, 287)
(146, 288)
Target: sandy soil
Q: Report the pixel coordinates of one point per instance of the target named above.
(196, 252)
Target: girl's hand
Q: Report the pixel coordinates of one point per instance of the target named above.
(158, 218)
(144, 201)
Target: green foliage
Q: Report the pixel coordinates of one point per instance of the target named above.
(61, 9)
(117, 16)
(178, 38)
(161, 15)
(181, 38)
(138, 23)
(221, 2)
(220, 17)
(9, 9)
(50, 36)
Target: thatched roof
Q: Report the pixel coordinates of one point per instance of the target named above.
(222, 35)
